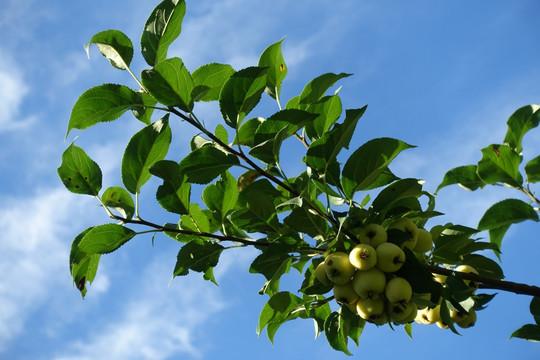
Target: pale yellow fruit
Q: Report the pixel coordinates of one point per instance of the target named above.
(345, 294)
(424, 242)
(407, 225)
(369, 283)
(373, 234)
(400, 311)
(428, 316)
(363, 257)
(398, 290)
(338, 268)
(468, 269)
(320, 274)
(468, 321)
(390, 257)
(370, 309)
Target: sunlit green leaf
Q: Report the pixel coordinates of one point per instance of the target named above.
(291, 119)
(222, 196)
(206, 163)
(272, 58)
(161, 29)
(144, 112)
(506, 212)
(170, 83)
(241, 92)
(115, 46)
(316, 88)
(328, 111)
(465, 176)
(277, 309)
(79, 173)
(519, 123)
(500, 164)
(334, 330)
(102, 103)
(532, 169)
(529, 332)
(398, 190)
(208, 80)
(83, 267)
(365, 165)
(118, 198)
(103, 239)
(146, 147)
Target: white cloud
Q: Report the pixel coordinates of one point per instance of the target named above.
(160, 321)
(33, 255)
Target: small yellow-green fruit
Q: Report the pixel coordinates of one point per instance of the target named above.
(412, 314)
(398, 290)
(373, 234)
(345, 294)
(320, 274)
(369, 283)
(400, 311)
(441, 279)
(379, 320)
(468, 321)
(390, 257)
(338, 268)
(407, 225)
(370, 309)
(441, 324)
(363, 257)
(428, 316)
(468, 269)
(424, 242)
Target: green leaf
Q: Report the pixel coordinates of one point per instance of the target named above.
(532, 169)
(529, 332)
(208, 80)
(170, 83)
(102, 103)
(278, 309)
(115, 46)
(301, 219)
(221, 134)
(500, 164)
(535, 309)
(484, 265)
(198, 255)
(259, 214)
(174, 194)
(206, 163)
(246, 133)
(519, 123)
(241, 93)
(323, 152)
(119, 199)
(398, 190)
(223, 196)
(335, 332)
(366, 164)
(328, 111)
(145, 148)
(272, 263)
(79, 173)
(290, 119)
(465, 176)
(161, 29)
(506, 212)
(105, 238)
(272, 58)
(316, 88)
(145, 111)
(83, 267)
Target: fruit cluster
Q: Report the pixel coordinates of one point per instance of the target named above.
(365, 279)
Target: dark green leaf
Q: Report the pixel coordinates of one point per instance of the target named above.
(170, 83)
(241, 92)
(366, 164)
(161, 29)
(198, 255)
(519, 123)
(102, 103)
(246, 133)
(335, 332)
(290, 119)
(532, 169)
(115, 46)
(144, 113)
(301, 219)
(174, 194)
(529, 332)
(398, 190)
(222, 196)
(485, 266)
(535, 309)
(506, 212)
(278, 309)
(465, 176)
(105, 238)
(206, 163)
(259, 215)
(323, 152)
(500, 164)
(118, 198)
(316, 88)
(272, 58)
(145, 148)
(272, 263)
(79, 173)
(328, 111)
(83, 267)
(208, 80)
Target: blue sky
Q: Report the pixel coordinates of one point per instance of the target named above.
(444, 76)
